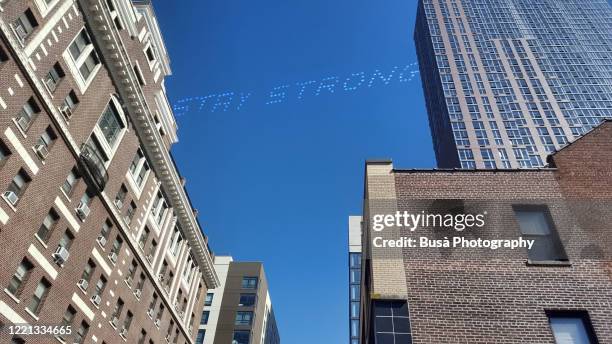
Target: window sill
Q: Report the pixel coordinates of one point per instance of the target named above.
(7, 292)
(34, 316)
(65, 195)
(41, 241)
(559, 263)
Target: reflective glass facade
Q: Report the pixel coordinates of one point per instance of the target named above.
(509, 81)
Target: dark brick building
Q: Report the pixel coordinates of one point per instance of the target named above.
(96, 228)
(560, 289)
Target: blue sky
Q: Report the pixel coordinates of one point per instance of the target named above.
(277, 182)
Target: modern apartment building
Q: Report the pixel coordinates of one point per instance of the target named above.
(508, 82)
(240, 310)
(96, 228)
(559, 291)
(354, 261)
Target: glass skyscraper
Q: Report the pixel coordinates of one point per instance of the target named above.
(354, 278)
(509, 81)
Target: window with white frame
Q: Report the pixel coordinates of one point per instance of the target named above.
(159, 208)
(24, 25)
(139, 168)
(176, 241)
(110, 124)
(83, 59)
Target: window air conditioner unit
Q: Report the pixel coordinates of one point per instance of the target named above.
(141, 244)
(138, 293)
(83, 284)
(156, 323)
(167, 338)
(66, 111)
(51, 84)
(113, 257)
(101, 240)
(118, 203)
(23, 123)
(42, 151)
(21, 33)
(61, 255)
(150, 313)
(160, 277)
(96, 299)
(114, 321)
(82, 211)
(123, 332)
(11, 197)
(128, 280)
(150, 257)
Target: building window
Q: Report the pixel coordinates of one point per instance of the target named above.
(205, 316)
(241, 337)
(142, 336)
(572, 327)
(69, 104)
(116, 247)
(47, 226)
(391, 322)
(130, 212)
(68, 318)
(249, 282)
(25, 25)
(40, 293)
(209, 299)
(53, 77)
(127, 322)
(3, 55)
(200, 337)
(159, 208)
(66, 240)
(27, 114)
(81, 333)
(86, 275)
(100, 286)
(110, 124)
(20, 277)
(120, 198)
(139, 168)
(139, 76)
(536, 224)
(244, 318)
(5, 153)
(17, 187)
(144, 236)
(247, 300)
(70, 182)
(44, 143)
(84, 57)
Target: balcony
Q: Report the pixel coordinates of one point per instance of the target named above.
(94, 166)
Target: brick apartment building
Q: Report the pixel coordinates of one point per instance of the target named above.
(96, 228)
(240, 310)
(559, 291)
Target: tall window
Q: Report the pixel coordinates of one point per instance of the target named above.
(24, 25)
(88, 272)
(18, 186)
(391, 322)
(247, 300)
(27, 114)
(536, 224)
(572, 327)
(144, 236)
(47, 225)
(205, 316)
(70, 181)
(53, 77)
(110, 124)
(40, 293)
(81, 333)
(200, 337)
(84, 56)
(20, 277)
(244, 318)
(241, 337)
(4, 153)
(159, 207)
(139, 168)
(130, 212)
(249, 283)
(47, 138)
(120, 198)
(66, 240)
(68, 318)
(209, 299)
